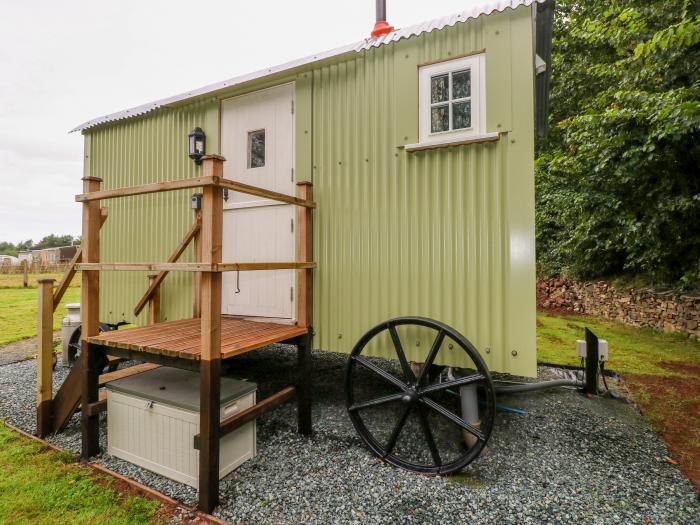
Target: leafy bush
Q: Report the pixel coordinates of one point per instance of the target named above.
(618, 178)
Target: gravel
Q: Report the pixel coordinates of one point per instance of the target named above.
(569, 459)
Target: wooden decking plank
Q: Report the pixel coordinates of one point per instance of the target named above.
(133, 334)
(181, 339)
(233, 330)
(228, 331)
(237, 348)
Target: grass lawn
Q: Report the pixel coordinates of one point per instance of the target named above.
(40, 486)
(18, 306)
(662, 370)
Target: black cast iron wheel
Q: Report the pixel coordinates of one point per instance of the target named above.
(420, 396)
(74, 343)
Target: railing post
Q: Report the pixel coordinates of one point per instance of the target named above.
(197, 306)
(153, 302)
(211, 235)
(44, 360)
(25, 273)
(306, 254)
(90, 312)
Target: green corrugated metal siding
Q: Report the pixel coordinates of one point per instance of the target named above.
(447, 234)
(426, 233)
(147, 228)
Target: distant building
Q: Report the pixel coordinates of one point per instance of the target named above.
(49, 255)
(8, 260)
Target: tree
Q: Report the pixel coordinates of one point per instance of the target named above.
(618, 178)
(54, 241)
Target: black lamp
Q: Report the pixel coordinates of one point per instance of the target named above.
(197, 143)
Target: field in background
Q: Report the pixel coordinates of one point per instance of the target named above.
(19, 305)
(661, 370)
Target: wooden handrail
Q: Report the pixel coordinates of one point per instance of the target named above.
(173, 258)
(143, 189)
(199, 182)
(72, 270)
(197, 267)
(267, 194)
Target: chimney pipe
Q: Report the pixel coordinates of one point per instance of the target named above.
(381, 27)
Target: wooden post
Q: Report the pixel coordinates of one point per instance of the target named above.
(44, 360)
(306, 254)
(154, 302)
(25, 272)
(197, 306)
(305, 310)
(211, 235)
(90, 312)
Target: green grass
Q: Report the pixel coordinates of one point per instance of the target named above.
(632, 350)
(19, 306)
(39, 486)
(661, 371)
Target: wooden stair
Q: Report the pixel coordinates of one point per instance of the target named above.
(67, 399)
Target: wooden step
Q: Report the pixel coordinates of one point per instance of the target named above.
(67, 399)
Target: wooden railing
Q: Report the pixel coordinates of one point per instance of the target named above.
(207, 235)
(49, 299)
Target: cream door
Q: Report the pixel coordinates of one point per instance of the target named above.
(257, 139)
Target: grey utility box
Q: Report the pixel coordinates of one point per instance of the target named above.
(152, 419)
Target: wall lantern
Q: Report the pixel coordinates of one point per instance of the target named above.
(197, 143)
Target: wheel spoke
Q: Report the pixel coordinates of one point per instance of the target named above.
(431, 355)
(408, 373)
(381, 373)
(429, 437)
(395, 433)
(453, 417)
(462, 381)
(375, 402)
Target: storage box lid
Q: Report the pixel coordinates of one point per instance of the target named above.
(175, 387)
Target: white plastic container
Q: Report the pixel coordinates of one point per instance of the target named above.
(68, 325)
(152, 419)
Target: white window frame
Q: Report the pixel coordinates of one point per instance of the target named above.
(476, 64)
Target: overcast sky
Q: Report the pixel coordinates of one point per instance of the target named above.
(65, 62)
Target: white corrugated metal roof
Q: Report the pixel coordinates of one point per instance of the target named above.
(480, 7)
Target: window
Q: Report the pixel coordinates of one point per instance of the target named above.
(452, 100)
(256, 149)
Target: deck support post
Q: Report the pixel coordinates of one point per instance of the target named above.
(44, 362)
(303, 386)
(211, 235)
(90, 311)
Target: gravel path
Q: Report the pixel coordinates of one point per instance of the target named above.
(20, 350)
(568, 460)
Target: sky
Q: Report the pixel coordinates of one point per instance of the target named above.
(65, 62)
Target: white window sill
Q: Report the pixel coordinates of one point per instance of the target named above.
(459, 141)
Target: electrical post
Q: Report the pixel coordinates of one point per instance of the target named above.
(591, 386)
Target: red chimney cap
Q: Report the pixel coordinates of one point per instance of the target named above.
(381, 28)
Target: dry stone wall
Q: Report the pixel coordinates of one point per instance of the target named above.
(667, 310)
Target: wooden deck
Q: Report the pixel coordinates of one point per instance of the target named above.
(182, 339)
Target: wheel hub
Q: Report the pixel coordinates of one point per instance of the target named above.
(410, 397)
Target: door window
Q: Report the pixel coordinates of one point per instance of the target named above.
(256, 149)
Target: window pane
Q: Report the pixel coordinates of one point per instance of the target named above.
(462, 115)
(256, 148)
(462, 84)
(439, 89)
(439, 118)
